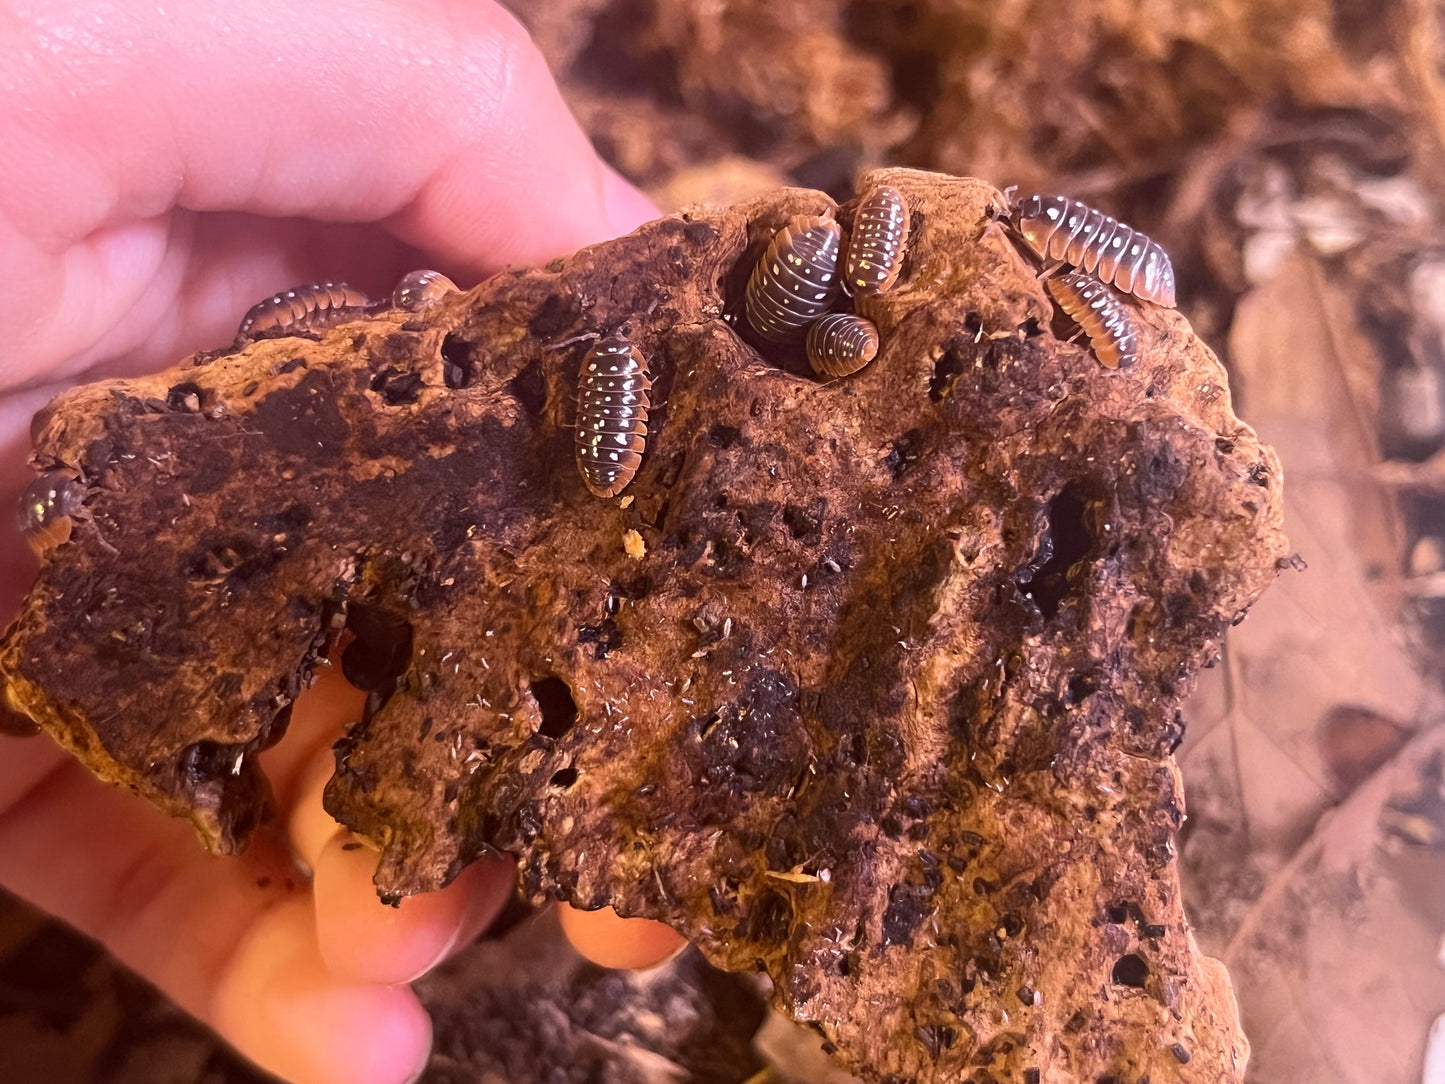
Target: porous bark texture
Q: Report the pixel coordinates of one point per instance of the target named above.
(871, 684)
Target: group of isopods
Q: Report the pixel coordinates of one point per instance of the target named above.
(1064, 232)
(795, 287)
(790, 298)
(796, 284)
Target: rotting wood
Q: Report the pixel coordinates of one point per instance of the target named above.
(883, 703)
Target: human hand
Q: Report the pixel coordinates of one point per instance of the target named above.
(163, 170)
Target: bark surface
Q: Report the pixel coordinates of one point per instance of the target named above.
(883, 703)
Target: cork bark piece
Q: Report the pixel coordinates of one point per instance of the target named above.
(869, 683)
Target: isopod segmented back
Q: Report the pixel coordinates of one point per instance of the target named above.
(796, 281)
(312, 307)
(419, 289)
(877, 242)
(1102, 314)
(840, 344)
(1059, 228)
(613, 397)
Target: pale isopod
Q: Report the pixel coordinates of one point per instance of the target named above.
(877, 242)
(840, 344)
(47, 511)
(613, 396)
(796, 281)
(1103, 316)
(313, 307)
(421, 288)
(1063, 229)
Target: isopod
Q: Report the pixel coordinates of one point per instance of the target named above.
(303, 308)
(612, 402)
(47, 511)
(796, 281)
(421, 288)
(1063, 229)
(877, 243)
(840, 344)
(1103, 316)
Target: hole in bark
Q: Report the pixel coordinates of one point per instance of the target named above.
(1081, 686)
(1131, 970)
(564, 778)
(604, 637)
(804, 522)
(530, 388)
(638, 587)
(559, 710)
(381, 651)
(397, 386)
(1065, 541)
(723, 436)
(185, 398)
(956, 359)
(206, 760)
(457, 362)
(903, 453)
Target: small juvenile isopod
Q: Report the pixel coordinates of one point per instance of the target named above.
(1065, 230)
(47, 511)
(303, 308)
(840, 344)
(613, 396)
(796, 281)
(877, 243)
(421, 288)
(1103, 316)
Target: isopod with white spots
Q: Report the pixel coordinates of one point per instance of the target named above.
(420, 289)
(313, 307)
(840, 344)
(877, 242)
(1102, 314)
(1065, 230)
(796, 281)
(613, 397)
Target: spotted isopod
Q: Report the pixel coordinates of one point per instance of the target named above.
(313, 307)
(47, 511)
(840, 344)
(1063, 229)
(796, 281)
(1102, 314)
(877, 242)
(421, 288)
(612, 402)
